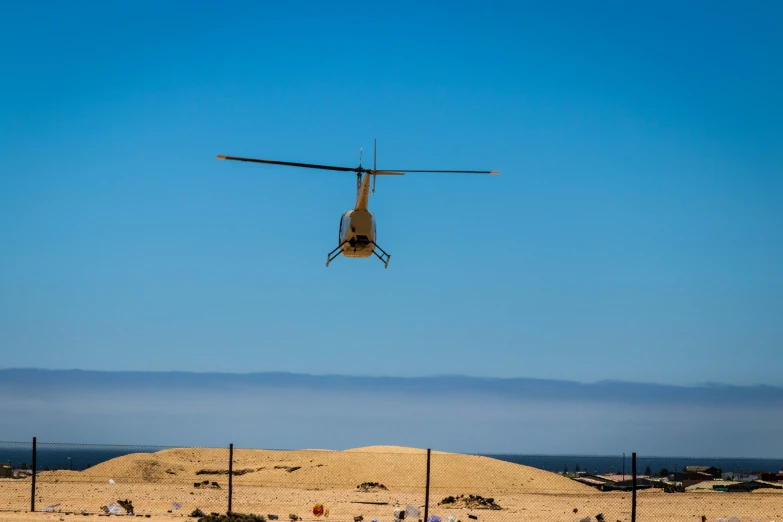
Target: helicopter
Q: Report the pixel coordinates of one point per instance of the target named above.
(357, 233)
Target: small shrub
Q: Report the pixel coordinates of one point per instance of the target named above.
(471, 502)
(367, 486)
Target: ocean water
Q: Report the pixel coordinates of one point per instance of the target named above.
(80, 457)
(66, 456)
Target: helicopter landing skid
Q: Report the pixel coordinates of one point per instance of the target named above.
(331, 256)
(384, 257)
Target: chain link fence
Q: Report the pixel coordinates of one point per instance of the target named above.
(383, 484)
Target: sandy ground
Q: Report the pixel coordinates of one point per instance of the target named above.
(291, 482)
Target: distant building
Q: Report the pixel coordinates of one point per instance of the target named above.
(617, 477)
(616, 483)
(711, 485)
(772, 477)
(689, 478)
(715, 472)
(6, 471)
(748, 486)
(596, 481)
(627, 485)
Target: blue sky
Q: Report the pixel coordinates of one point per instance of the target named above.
(634, 232)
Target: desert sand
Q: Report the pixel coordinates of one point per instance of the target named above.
(292, 482)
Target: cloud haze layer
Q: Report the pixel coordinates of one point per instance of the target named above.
(451, 413)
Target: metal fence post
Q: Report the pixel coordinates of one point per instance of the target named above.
(623, 466)
(230, 475)
(427, 489)
(633, 493)
(32, 493)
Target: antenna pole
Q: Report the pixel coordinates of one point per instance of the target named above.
(374, 164)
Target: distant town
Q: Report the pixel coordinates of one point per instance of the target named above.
(692, 478)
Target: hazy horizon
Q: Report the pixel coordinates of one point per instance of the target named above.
(461, 414)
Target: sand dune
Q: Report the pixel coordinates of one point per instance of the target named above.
(397, 468)
(291, 482)
(389, 449)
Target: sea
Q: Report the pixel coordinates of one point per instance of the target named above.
(80, 457)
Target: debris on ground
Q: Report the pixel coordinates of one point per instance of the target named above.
(112, 509)
(232, 517)
(127, 505)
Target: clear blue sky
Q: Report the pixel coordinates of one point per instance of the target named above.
(635, 231)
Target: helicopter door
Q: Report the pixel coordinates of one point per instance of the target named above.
(345, 226)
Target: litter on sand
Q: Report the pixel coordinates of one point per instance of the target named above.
(412, 511)
(112, 509)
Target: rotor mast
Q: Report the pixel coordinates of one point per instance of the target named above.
(363, 186)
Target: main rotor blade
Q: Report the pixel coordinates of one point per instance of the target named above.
(289, 164)
(451, 171)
